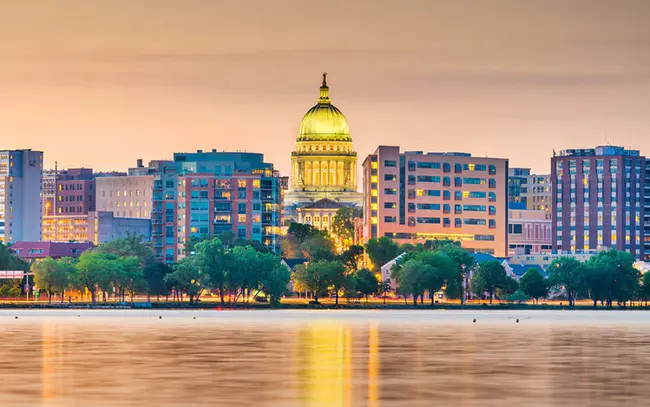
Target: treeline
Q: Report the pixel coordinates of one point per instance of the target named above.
(127, 267)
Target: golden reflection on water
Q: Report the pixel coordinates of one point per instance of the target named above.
(319, 362)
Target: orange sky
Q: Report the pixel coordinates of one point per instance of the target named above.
(100, 83)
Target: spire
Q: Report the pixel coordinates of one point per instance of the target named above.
(324, 91)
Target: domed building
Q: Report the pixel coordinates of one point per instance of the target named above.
(323, 166)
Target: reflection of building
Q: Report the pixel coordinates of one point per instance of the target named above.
(599, 199)
(20, 195)
(319, 214)
(324, 164)
(529, 232)
(415, 197)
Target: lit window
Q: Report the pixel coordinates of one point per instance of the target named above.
(374, 165)
(373, 206)
(373, 192)
(241, 183)
(241, 218)
(373, 220)
(373, 178)
(256, 183)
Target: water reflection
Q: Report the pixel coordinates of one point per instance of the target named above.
(297, 360)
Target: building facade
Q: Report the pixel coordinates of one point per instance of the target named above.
(204, 194)
(598, 199)
(529, 232)
(21, 174)
(538, 193)
(324, 164)
(518, 187)
(414, 196)
(128, 196)
(74, 191)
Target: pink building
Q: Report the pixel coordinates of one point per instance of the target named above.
(42, 250)
(416, 196)
(529, 232)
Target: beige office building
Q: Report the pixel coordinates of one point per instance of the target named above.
(416, 196)
(125, 196)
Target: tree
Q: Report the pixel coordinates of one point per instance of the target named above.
(365, 282)
(569, 274)
(441, 271)
(463, 262)
(274, 278)
(645, 292)
(188, 277)
(50, 276)
(508, 287)
(154, 275)
(131, 245)
(317, 247)
(518, 296)
(336, 276)
(132, 275)
(610, 275)
(411, 278)
(381, 251)
(384, 287)
(533, 284)
(489, 277)
(343, 224)
(351, 257)
(93, 271)
(211, 257)
(312, 277)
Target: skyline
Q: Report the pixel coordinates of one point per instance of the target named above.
(137, 81)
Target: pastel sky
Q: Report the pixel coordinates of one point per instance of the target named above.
(101, 83)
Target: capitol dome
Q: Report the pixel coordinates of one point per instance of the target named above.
(324, 122)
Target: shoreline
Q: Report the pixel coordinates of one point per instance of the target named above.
(323, 306)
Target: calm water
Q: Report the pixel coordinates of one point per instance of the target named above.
(324, 358)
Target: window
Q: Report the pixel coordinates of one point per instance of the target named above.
(390, 191)
(472, 221)
(474, 181)
(446, 222)
(492, 197)
(422, 164)
(429, 220)
(458, 208)
(492, 183)
(390, 205)
(446, 195)
(428, 206)
(390, 163)
(446, 167)
(428, 178)
(446, 181)
(241, 218)
(458, 222)
(241, 183)
(390, 219)
(492, 224)
(484, 237)
(458, 195)
(241, 207)
(475, 194)
(256, 183)
(458, 182)
(241, 193)
(446, 208)
(390, 177)
(474, 208)
(515, 229)
(458, 168)
(492, 169)
(492, 210)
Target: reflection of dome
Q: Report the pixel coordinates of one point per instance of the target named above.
(324, 122)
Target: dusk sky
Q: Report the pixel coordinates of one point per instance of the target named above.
(101, 83)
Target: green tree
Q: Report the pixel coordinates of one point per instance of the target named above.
(441, 271)
(188, 277)
(463, 262)
(343, 224)
(365, 282)
(533, 284)
(518, 296)
(569, 274)
(381, 251)
(645, 292)
(489, 277)
(52, 276)
(92, 272)
(313, 278)
(212, 259)
(384, 287)
(410, 276)
(508, 287)
(130, 245)
(132, 275)
(318, 247)
(154, 275)
(351, 257)
(274, 278)
(336, 276)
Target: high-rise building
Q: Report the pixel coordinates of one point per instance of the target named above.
(646, 212)
(538, 193)
(518, 187)
(414, 196)
(208, 193)
(20, 195)
(598, 199)
(324, 164)
(74, 191)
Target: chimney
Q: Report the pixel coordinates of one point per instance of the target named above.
(139, 163)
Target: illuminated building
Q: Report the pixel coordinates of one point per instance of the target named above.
(598, 199)
(538, 195)
(127, 196)
(95, 227)
(319, 214)
(208, 193)
(324, 164)
(414, 196)
(20, 195)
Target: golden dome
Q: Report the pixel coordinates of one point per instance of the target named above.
(324, 122)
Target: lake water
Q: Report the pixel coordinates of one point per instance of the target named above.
(324, 358)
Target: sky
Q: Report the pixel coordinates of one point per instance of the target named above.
(102, 83)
